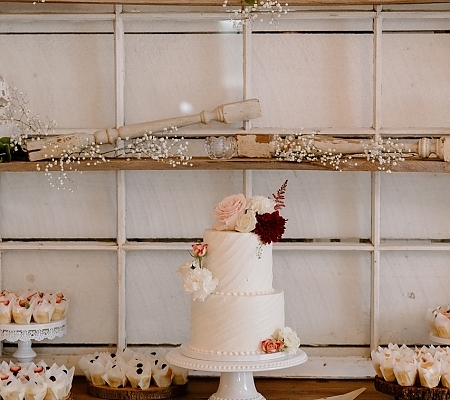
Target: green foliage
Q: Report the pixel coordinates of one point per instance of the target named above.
(10, 151)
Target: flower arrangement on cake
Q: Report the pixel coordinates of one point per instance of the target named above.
(35, 381)
(439, 321)
(426, 366)
(257, 214)
(32, 306)
(138, 370)
(285, 339)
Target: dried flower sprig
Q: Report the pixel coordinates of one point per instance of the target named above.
(302, 147)
(256, 9)
(15, 114)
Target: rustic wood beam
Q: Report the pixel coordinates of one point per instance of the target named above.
(200, 163)
(235, 3)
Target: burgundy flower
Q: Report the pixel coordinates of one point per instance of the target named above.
(270, 227)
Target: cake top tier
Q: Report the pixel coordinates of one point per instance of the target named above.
(240, 262)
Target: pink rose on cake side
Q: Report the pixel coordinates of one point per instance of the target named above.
(228, 212)
(271, 345)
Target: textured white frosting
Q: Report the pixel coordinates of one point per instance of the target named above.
(235, 325)
(239, 261)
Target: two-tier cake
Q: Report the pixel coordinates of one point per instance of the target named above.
(236, 314)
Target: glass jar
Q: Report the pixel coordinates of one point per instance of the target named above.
(220, 147)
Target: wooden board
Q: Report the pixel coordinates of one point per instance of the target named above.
(128, 393)
(411, 392)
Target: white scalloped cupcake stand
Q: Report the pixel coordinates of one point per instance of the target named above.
(236, 377)
(24, 334)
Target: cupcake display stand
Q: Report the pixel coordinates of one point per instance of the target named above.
(438, 340)
(24, 334)
(236, 377)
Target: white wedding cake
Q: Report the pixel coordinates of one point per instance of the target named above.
(236, 314)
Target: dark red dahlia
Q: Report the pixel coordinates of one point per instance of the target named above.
(270, 227)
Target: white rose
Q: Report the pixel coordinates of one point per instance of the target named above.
(247, 222)
(289, 337)
(199, 282)
(260, 204)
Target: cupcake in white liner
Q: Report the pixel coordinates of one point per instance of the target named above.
(43, 311)
(59, 382)
(405, 371)
(162, 374)
(445, 371)
(442, 323)
(12, 389)
(429, 372)
(180, 375)
(140, 376)
(96, 371)
(61, 305)
(377, 356)
(115, 376)
(6, 305)
(22, 311)
(35, 388)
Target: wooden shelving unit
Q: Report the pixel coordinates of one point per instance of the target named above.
(292, 3)
(410, 165)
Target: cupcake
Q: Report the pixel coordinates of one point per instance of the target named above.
(180, 375)
(161, 373)
(140, 376)
(22, 311)
(61, 305)
(429, 372)
(35, 388)
(405, 371)
(115, 376)
(43, 311)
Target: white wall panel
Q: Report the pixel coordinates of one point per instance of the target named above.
(411, 282)
(323, 80)
(174, 204)
(71, 79)
(87, 278)
(415, 206)
(327, 295)
(157, 310)
(415, 80)
(172, 75)
(328, 205)
(31, 209)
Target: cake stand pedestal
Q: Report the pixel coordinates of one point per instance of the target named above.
(23, 334)
(236, 377)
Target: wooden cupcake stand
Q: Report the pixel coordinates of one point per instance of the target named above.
(236, 377)
(24, 334)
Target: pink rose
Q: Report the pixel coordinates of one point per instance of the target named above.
(229, 210)
(199, 249)
(271, 345)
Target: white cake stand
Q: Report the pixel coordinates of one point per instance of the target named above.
(438, 340)
(236, 377)
(23, 334)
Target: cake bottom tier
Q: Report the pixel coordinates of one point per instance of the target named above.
(235, 325)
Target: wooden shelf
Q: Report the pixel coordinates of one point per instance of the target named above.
(410, 165)
(292, 3)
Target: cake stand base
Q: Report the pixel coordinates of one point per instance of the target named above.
(236, 377)
(24, 352)
(236, 385)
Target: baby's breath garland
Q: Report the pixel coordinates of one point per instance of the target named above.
(256, 9)
(301, 147)
(24, 127)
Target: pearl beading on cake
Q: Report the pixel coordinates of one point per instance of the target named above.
(246, 293)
